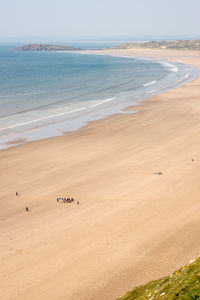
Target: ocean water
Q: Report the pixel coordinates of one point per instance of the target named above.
(44, 94)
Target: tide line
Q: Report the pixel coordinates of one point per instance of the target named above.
(152, 91)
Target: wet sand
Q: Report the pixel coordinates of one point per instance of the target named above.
(131, 226)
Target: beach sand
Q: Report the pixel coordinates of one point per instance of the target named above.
(131, 226)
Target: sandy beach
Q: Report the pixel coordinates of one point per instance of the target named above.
(131, 226)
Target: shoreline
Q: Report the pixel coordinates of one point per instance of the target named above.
(131, 226)
(81, 117)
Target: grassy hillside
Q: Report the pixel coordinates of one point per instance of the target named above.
(182, 284)
(176, 45)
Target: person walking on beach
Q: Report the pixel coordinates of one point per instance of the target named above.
(27, 209)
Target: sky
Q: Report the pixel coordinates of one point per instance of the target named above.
(98, 18)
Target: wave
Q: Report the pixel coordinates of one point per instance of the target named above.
(100, 102)
(24, 94)
(169, 66)
(152, 91)
(150, 83)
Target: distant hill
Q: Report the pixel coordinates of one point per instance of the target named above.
(45, 47)
(176, 45)
(183, 284)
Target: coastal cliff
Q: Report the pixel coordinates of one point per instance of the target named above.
(45, 47)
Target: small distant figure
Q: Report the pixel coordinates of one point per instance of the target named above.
(72, 199)
(158, 173)
(192, 159)
(57, 199)
(17, 194)
(78, 202)
(27, 209)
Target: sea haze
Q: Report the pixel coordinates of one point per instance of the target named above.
(44, 94)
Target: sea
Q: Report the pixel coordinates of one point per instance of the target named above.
(46, 94)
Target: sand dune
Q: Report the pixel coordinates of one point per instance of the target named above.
(131, 226)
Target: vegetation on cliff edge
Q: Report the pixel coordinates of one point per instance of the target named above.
(173, 45)
(183, 284)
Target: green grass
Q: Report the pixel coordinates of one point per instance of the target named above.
(182, 284)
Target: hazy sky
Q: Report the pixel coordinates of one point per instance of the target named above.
(68, 18)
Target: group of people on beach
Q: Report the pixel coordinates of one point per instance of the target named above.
(66, 200)
(62, 200)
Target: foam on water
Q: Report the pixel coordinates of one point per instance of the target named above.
(150, 83)
(100, 102)
(152, 91)
(51, 93)
(169, 66)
